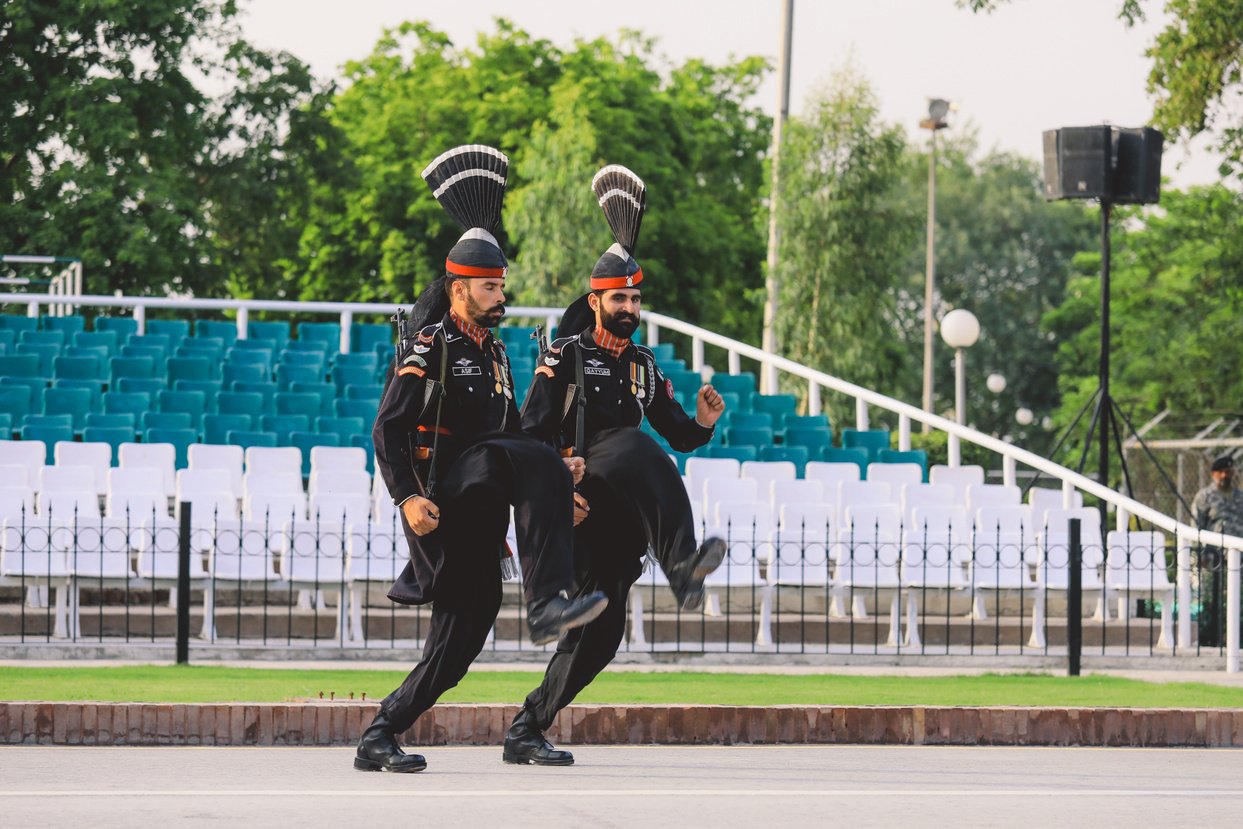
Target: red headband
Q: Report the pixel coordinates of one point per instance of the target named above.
(607, 283)
(469, 270)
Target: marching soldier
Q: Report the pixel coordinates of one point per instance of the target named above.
(592, 389)
(449, 445)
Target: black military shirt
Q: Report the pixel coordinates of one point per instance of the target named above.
(620, 391)
(479, 400)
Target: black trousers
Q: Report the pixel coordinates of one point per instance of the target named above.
(474, 500)
(637, 500)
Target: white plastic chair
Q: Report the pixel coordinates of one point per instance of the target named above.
(766, 472)
(31, 454)
(1053, 563)
(267, 459)
(157, 456)
(959, 477)
(343, 458)
(377, 554)
(896, 475)
(1136, 565)
(136, 493)
(1002, 546)
(935, 546)
(313, 558)
(925, 495)
(866, 556)
(718, 490)
(98, 456)
(830, 474)
(992, 495)
(28, 556)
(795, 492)
(212, 456)
(339, 481)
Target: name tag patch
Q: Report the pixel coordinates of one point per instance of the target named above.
(463, 371)
(601, 372)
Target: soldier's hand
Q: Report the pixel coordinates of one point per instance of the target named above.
(421, 514)
(577, 467)
(709, 406)
(581, 509)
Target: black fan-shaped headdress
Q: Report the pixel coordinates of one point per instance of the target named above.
(469, 182)
(623, 198)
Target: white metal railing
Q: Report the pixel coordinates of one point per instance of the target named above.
(1186, 535)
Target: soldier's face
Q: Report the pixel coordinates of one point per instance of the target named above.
(483, 301)
(617, 311)
(1223, 477)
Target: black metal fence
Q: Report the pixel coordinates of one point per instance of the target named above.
(871, 588)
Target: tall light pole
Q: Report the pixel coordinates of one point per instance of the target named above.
(938, 108)
(771, 284)
(960, 330)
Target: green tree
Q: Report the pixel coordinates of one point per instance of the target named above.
(1176, 334)
(1197, 70)
(111, 150)
(845, 226)
(1004, 254)
(374, 232)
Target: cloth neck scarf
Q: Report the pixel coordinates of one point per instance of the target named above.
(477, 333)
(613, 345)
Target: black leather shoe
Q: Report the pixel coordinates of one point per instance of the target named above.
(378, 750)
(526, 744)
(697, 568)
(549, 618)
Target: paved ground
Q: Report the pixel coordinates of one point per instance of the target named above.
(623, 787)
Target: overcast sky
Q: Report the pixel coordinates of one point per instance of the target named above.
(1033, 65)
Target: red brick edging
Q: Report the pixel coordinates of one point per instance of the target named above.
(339, 724)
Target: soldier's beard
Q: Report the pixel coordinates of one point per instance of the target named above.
(490, 318)
(622, 324)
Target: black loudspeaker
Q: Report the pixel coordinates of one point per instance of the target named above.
(1108, 163)
(1078, 163)
(1137, 168)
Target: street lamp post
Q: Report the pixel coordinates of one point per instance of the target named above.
(960, 330)
(938, 108)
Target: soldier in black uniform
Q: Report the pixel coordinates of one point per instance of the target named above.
(449, 444)
(591, 391)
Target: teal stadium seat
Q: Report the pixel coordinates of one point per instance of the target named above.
(342, 427)
(6, 426)
(742, 385)
(793, 421)
(76, 368)
(364, 392)
(21, 365)
(94, 387)
(193, 404)
(738, 453)
(142, 368)
(758, 437)
(73, 402)
(70, 325)
(247, 439)
(275, 332)
(101, 420)
(210, 390)
(216, 427)
(160, 341)
(265, 390)
(226, 332)
(365, 336)
(192, 346)
(287, 374)
(327, 393)
(119, 402)
(869, 440)
(816, 440)
(328, 333)
(167, 420)
(188, 368)
(858, 457)
(304, 359)
(114, 436)
(13, 322)
(777, 405)
(364, 442)
(61, 419)
(151, 386)
(109, 340)
(8, 339)
(56, 338)
(797, 455)
(747, 420)
(179, 438)
(156, 355)
(283, 425)
(918, 456)
(243, 373)
(365, 409)
(306, 441)
(49, 435)
(319, 347)
(121, 326)
(298, 403)
(175, 330)
(46, 353)
(237, 402)
(15, 401)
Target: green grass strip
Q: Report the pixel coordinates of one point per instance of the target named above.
(218, 684)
